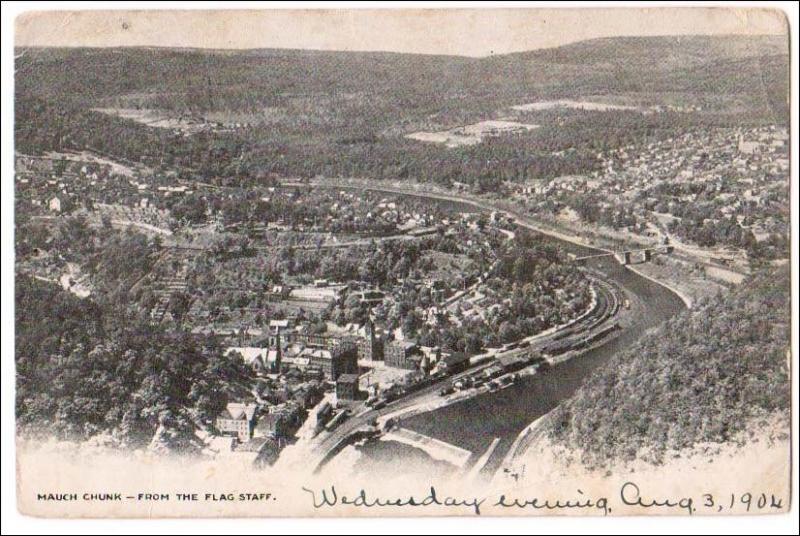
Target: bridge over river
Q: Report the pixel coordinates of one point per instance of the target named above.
(629, 256)
(475, 423)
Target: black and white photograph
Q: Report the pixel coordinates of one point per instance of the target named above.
(405, 262)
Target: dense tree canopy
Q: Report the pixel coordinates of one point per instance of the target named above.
(83, 369)
(701, 377)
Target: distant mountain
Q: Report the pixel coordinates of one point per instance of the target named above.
(660, 52)
(306, 113)
(175, 78)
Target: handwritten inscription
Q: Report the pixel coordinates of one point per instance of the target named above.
(329, 497)
(630, 495)
(600, 503)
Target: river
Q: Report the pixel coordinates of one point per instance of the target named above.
(474, 423)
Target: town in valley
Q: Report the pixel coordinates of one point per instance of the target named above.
(271, 259)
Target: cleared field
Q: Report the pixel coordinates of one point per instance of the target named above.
(610, 103)
(293, 306)
(314, 294)
(471, 134)
(567, 103)
(117, 168)
(447, 266)
(158, 119)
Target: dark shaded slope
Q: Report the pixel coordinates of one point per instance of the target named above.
(699, 377)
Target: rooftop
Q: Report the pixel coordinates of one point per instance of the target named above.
(455, 358)
(238, 411)
(348, 378)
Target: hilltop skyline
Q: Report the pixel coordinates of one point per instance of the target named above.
(457, 32)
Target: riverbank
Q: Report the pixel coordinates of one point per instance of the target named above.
(691, 278)
(481, 419)
(474, 423)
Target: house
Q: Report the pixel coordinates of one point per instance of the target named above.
(254, 357)
(434, 316)
(276, 326)
(748, 147)
(54, 204)
(371, 298)
(279, 292)
(438, 290)
(347, 387)
(237, 419)
(453, 363)
(432, 353)
(273, 425)
(306, 396)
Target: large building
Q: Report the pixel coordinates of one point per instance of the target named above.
(341, 359)
(347, 387)
(370, 346)
(238, 419)
(321, 340)
(402, 354)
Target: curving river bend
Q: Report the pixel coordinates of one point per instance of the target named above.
(473, 424)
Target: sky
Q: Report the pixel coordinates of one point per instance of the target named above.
(465, 32)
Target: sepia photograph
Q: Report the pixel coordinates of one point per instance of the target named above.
(406, 262)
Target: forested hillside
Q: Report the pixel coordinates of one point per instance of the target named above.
(409, 84)
(84, 369)
(705, 376)
(301, 113)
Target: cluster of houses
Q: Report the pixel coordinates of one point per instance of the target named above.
(745, 165)
(343, 212)
(51, 184)
(300, 367)
(258, 431)
(359, 211)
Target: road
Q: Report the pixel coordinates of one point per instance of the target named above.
(665, 303)
(328, 444)
(482, 205)
(683, 251)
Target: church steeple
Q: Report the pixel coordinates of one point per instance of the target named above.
(278, 352)
(369, 329)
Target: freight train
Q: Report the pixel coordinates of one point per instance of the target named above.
(564, 346)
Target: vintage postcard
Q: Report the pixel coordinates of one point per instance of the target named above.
(405, 262)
